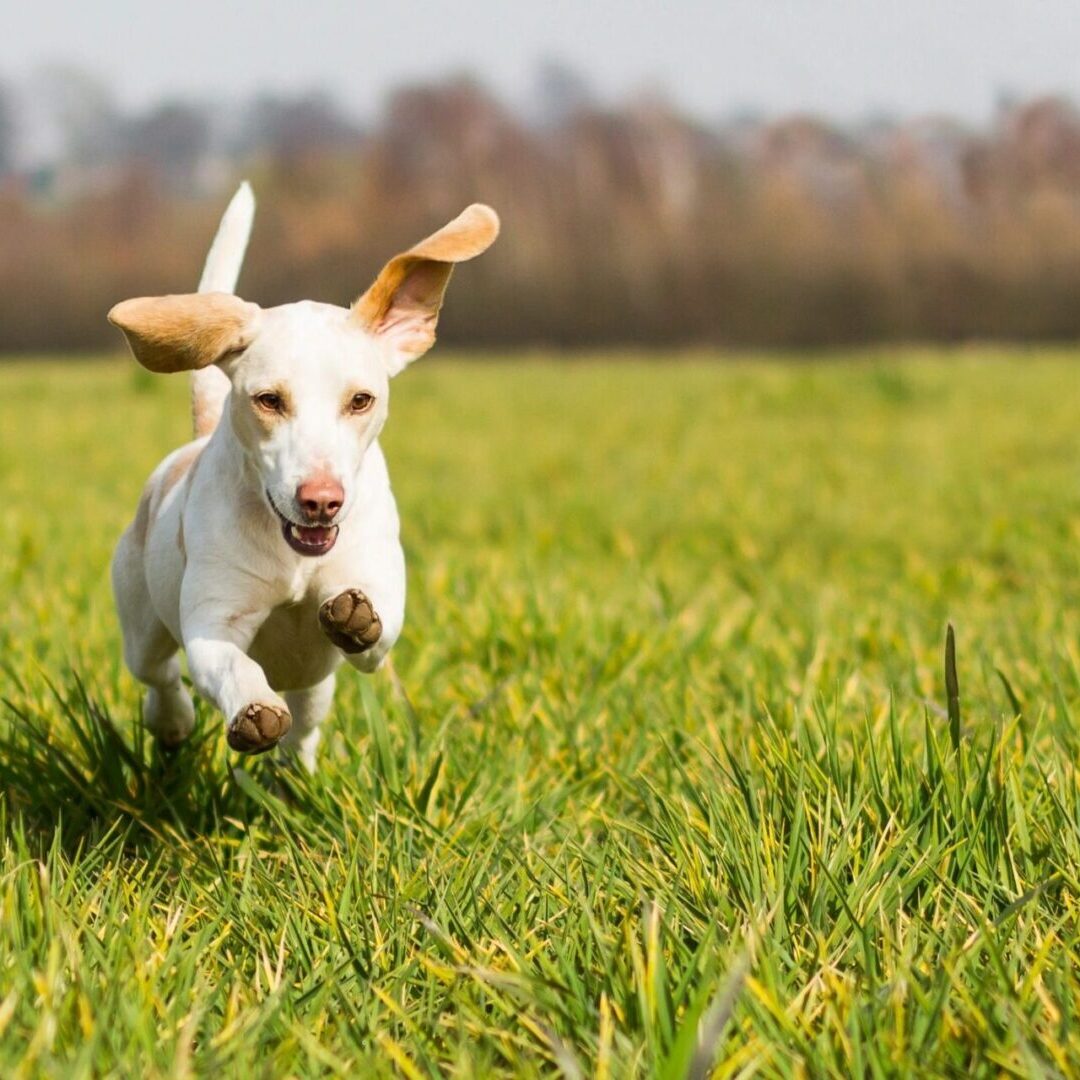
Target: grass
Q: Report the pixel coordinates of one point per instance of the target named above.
(673, 784)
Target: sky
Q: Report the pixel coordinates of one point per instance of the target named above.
(847, 59)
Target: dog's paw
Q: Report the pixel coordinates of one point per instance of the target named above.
(350, 621)
(257, 728)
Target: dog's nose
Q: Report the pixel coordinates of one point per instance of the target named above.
(320, 499)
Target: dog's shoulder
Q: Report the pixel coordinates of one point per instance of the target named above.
(180, 465)
(177, 467)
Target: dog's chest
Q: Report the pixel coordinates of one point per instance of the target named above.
(291, 648)
(304, 582)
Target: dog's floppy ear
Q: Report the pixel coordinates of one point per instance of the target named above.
(181, 333)
(402, 306)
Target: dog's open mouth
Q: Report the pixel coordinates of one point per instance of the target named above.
(306, 539)
(309, 539)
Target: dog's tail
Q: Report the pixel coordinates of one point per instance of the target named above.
(209, 385)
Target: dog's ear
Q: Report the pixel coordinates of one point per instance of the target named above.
(402, 306)
(181, 333)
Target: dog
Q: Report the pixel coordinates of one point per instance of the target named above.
(268, 547)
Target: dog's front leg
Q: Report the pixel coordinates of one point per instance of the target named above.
(363, 604)
(364, 623)
(217, 633)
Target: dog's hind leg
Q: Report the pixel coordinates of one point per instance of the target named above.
(309, 708)
(149, 648)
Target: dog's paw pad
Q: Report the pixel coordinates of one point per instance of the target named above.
(350, 621)
(257, 728)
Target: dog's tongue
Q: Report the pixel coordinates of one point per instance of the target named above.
(315, 534)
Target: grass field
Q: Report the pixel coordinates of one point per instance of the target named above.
(669, 786)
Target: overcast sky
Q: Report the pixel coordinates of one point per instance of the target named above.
(844, 58)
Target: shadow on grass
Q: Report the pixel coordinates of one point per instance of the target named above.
(68, 772)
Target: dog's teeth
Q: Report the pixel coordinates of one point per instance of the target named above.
(295, 530)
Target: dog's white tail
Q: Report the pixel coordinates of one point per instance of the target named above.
(209, 386)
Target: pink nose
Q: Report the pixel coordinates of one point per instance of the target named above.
(320, 499)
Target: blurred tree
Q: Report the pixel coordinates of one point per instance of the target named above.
(91, 127)
(292, 127)
(7, 129)
(560, 93)
(171, 141)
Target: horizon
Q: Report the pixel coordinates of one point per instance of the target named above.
(843, 61)
(61, 110)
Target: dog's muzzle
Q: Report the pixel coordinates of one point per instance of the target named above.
(308, 540)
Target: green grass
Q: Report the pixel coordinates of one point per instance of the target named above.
(672, 781)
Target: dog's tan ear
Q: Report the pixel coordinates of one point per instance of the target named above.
(181, 333)
(402, 306)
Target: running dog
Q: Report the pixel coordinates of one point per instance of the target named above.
(268, 547)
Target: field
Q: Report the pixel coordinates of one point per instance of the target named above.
(669, 783)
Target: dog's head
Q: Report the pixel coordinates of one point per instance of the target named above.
(309, 381)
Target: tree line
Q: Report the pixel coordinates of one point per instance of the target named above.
(629, 224)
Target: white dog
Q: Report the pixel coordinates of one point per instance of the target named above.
(268, 547)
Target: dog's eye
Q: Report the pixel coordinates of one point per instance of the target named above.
(361, 402)
(270, 402)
